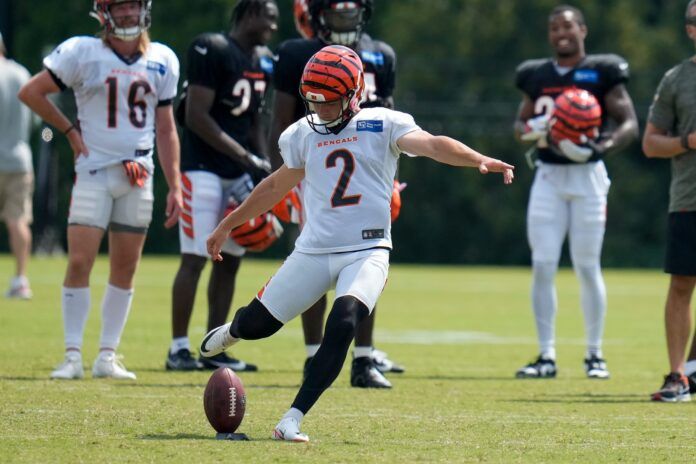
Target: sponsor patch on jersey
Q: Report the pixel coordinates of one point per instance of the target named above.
(267, 64)
(371, 126)
(376, 58)
(586, 75)
(369, 234)
(142, 152)
(157, 67)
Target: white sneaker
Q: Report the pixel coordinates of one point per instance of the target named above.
(288, 429)
(19, 289)
(109, 365)
(70, 368)
(217, 340)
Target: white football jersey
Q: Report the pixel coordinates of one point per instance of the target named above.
(116, 98)
(349, 179)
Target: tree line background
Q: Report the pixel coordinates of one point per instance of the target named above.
(455, 73)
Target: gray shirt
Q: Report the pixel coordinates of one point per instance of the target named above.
(674, 110)
(15, 119)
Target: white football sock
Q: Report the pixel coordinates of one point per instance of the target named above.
(75, 305)
(362, 352)
(115, 308)
(180, 343)
(593, 298)
(690, 367)
(295, 413)
(544, 302)
(311, 350)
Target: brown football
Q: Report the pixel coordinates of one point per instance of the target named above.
(224, 400)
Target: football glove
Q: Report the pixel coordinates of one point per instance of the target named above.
(137, 174)
(581, 153)
(395, 205)
(536, 128)
(258, 163)
(289, 209)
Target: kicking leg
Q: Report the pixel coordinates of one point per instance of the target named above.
(347, 311)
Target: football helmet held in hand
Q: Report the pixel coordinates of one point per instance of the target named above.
(577, 116)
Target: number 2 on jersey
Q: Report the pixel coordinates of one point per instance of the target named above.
(135, 100)
(338, 198)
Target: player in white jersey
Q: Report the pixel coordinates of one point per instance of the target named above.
(347, 159)
(124, 87)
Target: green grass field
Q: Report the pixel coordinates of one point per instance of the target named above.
(460, 331)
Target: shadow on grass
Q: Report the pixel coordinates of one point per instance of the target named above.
(453, 378)
(199, 385)
(192, 436)
(24, 379)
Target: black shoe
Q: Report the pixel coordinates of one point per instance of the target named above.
(364, 374)
(541, 368)
(222, 360)
(307, 362)
(182, 361)
(384, 364)
(596, 368)
(692, 383)
(675, 388)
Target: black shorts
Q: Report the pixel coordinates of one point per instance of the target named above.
(681, 244)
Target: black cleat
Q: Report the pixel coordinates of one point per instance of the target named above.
(182, 361)
(222, 360)
(675, 389)
(364, 374)
(384, 364)
(596, 368)
(541, 368)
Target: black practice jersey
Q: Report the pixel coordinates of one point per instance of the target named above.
(541, 81)
(216, 61)
(379, 62)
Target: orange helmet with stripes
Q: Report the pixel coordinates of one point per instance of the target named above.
(577, 116)
(303, 21)
(334, 73)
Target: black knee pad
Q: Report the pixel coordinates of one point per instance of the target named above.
(254, 321)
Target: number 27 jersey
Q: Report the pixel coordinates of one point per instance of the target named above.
(116, 98)
(348, 181)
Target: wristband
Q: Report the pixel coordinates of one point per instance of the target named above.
(67, 131)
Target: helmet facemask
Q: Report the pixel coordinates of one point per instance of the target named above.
(342, 23)
(102, 12)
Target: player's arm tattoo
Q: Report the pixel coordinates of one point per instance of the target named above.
(620, 108)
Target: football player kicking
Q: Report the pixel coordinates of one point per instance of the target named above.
(321, 23)
(227, 76)
(124, 86)
(569, 194)
(347, 158)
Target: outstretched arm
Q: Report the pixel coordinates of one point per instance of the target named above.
(447, 150)
(264, 196)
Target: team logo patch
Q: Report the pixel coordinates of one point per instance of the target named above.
(376, 58)
(586, 75)
(157, 67)
(267, 64)
(371, 126)
(369, 234)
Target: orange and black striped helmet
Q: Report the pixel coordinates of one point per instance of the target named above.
(333, 73)
(303, 21)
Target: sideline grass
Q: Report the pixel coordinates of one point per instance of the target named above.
(461, 332)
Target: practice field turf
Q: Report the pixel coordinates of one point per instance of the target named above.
(461, 333)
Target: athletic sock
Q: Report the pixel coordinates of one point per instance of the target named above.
(312, 350)
(295, 414)
(544, 303)
(115, 308)
(75, 305)
(179, 343)
(362, 352)
(593, 298)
